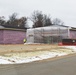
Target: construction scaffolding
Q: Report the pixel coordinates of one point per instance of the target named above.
(48, 35)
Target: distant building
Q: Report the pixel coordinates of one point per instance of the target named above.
(50, 34)
(12, 35)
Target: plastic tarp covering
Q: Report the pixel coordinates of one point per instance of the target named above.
(49, 34)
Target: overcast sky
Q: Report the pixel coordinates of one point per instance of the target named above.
(62, 9)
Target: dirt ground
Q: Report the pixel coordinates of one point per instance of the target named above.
(30, 48)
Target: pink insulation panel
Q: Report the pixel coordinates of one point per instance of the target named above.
(12, 36)
(73, 34)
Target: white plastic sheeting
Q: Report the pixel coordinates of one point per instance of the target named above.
(16, 60)
(36, 35)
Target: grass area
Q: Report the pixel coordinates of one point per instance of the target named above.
(28, 53)
(7, 49)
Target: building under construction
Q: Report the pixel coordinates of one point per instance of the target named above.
(50, 34)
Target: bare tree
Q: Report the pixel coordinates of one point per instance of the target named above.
(57, 21)
(15, 22)
(40, 20)
(47, 20)
(13, 17)
(2, 20)
(22, 22)
(37, 19)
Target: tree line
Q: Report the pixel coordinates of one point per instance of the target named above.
(38, 18)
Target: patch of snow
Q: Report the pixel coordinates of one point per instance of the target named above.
(71, 47)
(3, 61)
(16, 60)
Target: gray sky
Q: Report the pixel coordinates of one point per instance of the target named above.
(62, 9)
